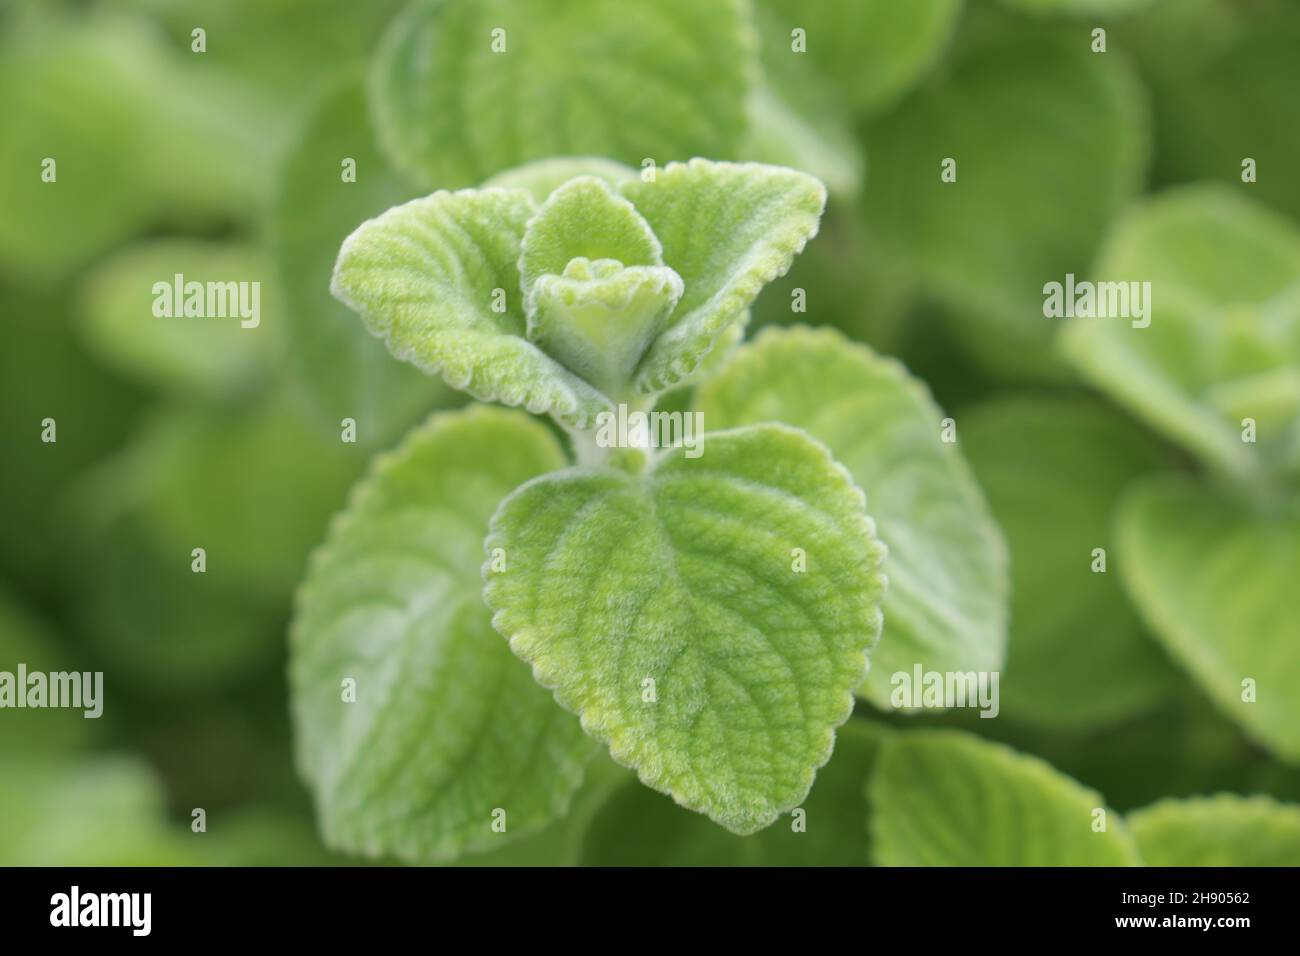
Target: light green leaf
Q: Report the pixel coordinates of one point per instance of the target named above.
(639, 827)
(428, 276)
(347, 373)
(211, 356)
(542, 177)
(1215, 580)
(1224, 325)
(946, 604)
(1053, 469)
(465, 90)
(446, 727)
(871, 50)
(687, 577)
(1043, 132)
(727, 229)
(941, 798)
(1223, 830)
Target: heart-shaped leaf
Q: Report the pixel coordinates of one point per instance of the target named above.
(707, 620)
(1215, 579)
(941, 798)
(946, 605)
(417, 729)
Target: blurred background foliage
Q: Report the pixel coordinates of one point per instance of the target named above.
(225, 164)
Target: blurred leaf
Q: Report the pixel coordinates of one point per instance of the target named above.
(616, 579)
(1202, 60)
(639, 827)
(255, 489)
(872, 51)
(1053, 469)
(941, 798)
(1222, 830)
(1049, 144)
(446, 728)
(465, 90)
(209, 356)
(1214, 578)
(945, 607)
(347, 373)
(135, 139)
(106, 811)
(1225, 317)
(24, 640)
(1078, 8)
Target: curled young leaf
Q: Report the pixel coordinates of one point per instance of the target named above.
(670, 612)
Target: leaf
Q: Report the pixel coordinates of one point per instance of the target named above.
(446, 727)
(727, 229)
(1223, 830)
(1225, 310)
(1214, 578)
(984, 245)
(872, 51)
(639, 827)
(667, 80)
(1079, 657)
(542, 177)
(209, 357)
(684, 577)
(425, 277)
(946, 604)
(941, 798)
(347, 373)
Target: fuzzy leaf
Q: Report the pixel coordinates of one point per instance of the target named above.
(685, 576)
(543, 176)
(985, 244)
(426, 276)
(727, 229)
(941, 798)
(1079, 656)
(465, 90)
(1225, 318)
(1215, 580)
(1223, 830)
(347, 373)
(446, 726)
(946, 604)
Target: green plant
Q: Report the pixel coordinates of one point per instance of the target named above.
(707, 616)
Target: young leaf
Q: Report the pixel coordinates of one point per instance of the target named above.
(871, 50)
(1224, 317)
(946, 604)
(1078, 656)
(983, 244)
(438, 280)
(727, 229)
(213, 357)
(668, 612)
(543, 176)
(348, 373)
(1214, 578)
(1223, 830)
(941, 798)
(465, 90)
(445, 727)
